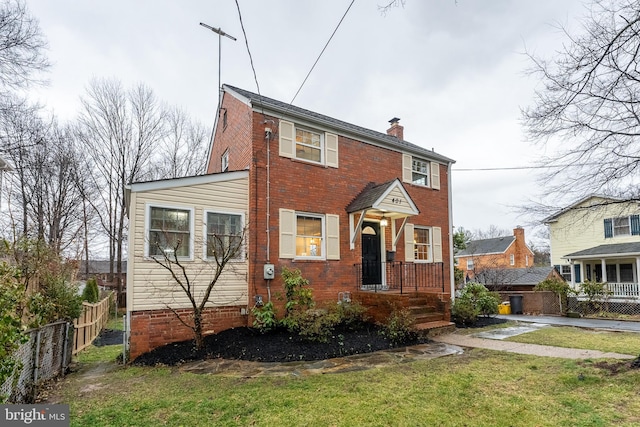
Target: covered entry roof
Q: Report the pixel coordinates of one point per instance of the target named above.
(607, 251)
(389, 199)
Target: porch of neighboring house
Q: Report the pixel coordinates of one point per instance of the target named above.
(618, 272)
(419, 287)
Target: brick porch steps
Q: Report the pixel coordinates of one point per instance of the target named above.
(435, 328)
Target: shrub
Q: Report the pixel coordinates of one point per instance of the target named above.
(596, 292)
(299, 298)
(474, 300)
(399, 327)
(91, 293)
(57, 300)
(265, 317)
(351, 315)
(316, 325)
(11, 329)
(464, 311)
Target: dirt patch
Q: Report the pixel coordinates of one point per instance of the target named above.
(108, 337)
(276, 346)
(615, 368)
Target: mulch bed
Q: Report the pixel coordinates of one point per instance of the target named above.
(276, 346)
(482, 322)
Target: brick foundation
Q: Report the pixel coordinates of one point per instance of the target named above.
(154, 328)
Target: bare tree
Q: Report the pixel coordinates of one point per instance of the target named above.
(183, 150)
(492, 232)
(225, 242)
(22, 46)
(589, 102)
(119, 130)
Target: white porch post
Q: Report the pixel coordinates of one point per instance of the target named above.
(582, 271)
(603, 262)
(573, 274)
(637, 276)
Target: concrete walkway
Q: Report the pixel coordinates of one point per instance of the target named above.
(533, 349)
(544, 350)
(581, 322)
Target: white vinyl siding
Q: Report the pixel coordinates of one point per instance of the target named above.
(151, 287)
(307, 144)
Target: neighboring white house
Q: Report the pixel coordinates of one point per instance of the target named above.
(598, 238)
(189, 210)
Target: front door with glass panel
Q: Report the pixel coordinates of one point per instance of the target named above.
(371, 254)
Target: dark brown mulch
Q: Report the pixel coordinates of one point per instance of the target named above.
(482, 322)
(276, 346)
(108, 337)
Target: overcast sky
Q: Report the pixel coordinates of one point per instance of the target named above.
(453, 71)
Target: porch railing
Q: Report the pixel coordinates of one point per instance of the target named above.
(406, 277)
(624, 290)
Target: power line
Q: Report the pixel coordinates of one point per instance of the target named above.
(246, 42)
(523, 167)
(323, 49)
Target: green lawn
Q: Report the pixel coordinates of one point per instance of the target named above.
(478, 388)
(565, 336)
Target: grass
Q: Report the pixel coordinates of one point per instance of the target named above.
(571, 337)
(479, 388)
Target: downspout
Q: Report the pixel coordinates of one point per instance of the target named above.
(450, 231)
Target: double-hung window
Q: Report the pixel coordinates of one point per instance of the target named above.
(224, 160)
(224, 236)
(420, 172)
(170, 231)
(622, 226)
(309, 145)
(470, 265)
(422, 245)
(309, 236)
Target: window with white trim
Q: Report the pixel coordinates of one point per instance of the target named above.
(419, 172)
(306, 235)
(470, 264)
(422, 244)
(224, 236)
(170, 230)
(309, 145)
(512, 259)
(565, 272)
(225, 161)
(622, 226)
(309, 236)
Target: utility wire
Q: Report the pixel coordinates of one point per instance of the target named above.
(522, 167)
(323, 49)
(246, 42)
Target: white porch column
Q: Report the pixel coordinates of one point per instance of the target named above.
(582, 272)
(636, 278)
(573, 274)
(603, 262)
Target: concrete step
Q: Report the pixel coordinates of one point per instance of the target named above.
(422, 309)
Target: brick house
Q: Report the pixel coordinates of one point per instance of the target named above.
(358, 212)
(495, 253)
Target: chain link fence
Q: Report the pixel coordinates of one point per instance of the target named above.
(44, 356)
(605, 306)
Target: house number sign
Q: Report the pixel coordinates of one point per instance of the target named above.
(396, 201)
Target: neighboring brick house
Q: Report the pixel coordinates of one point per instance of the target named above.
(498, 252)
(357, 211)
(598, 238)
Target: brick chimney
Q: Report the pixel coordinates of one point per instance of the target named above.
(396, 129)
(518, 232)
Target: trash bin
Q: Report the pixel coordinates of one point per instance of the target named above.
(516, 304)
(504, 308)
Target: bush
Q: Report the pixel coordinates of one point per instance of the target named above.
(265, 317)
(91, 293)
(11, 329)
(58, 300)
(351, 315)
(299, 298)
(596, 292)
(317, 325)
(464, 311)
(474, 300)
(399, 327)
(559, 287)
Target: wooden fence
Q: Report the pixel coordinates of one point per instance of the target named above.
(93, 318)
